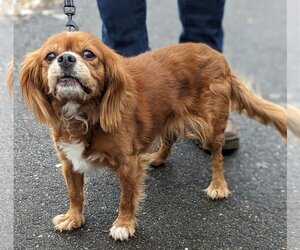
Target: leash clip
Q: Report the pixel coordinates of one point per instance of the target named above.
(70, 11)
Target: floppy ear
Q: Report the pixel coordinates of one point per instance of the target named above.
(33, 90)
(10, 78)
(114, 100)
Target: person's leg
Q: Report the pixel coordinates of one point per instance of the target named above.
(202, 21)
(124, 25)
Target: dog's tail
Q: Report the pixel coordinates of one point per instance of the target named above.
(243, 100)
(293, 120)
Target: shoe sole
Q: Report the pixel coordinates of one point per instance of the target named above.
(231, 144)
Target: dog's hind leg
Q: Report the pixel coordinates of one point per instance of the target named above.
(158, 158)
(218, 188)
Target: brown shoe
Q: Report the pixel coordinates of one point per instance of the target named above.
(231, 137)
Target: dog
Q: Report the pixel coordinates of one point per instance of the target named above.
(105, 110)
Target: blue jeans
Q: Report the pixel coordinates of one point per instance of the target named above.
(124, 24)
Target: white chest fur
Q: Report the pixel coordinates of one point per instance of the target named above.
(74, 153)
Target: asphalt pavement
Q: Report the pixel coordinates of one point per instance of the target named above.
(176, 213)
(6, 138)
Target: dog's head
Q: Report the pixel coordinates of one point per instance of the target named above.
(75, 67)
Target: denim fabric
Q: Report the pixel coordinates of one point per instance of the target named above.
(202, 21)
(124, 24)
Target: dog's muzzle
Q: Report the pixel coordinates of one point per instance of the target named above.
(72, 82)
(66, 61)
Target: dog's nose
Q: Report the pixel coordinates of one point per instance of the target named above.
(66, 60)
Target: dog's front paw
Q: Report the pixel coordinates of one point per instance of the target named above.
(217, 190)
(68, 221)
(122, 231)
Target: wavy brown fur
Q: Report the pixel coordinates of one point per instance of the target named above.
(293, 120)
(246, 102)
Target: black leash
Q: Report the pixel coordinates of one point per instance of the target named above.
(70, 11)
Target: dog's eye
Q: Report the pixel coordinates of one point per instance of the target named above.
(88, 55)
(50, 57)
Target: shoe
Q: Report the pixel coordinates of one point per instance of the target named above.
(231, 137)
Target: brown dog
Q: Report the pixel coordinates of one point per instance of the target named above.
(106, 110)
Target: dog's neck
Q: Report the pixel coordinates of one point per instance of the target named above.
(75, 118)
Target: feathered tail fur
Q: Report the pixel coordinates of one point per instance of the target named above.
(243, 100)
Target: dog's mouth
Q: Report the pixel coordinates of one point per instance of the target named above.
(71, 82)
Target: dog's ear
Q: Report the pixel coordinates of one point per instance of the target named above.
(33, 89)
(114, 100)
